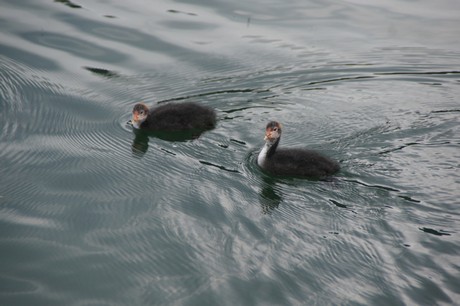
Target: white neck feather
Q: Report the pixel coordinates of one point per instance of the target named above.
(263, 154)
(136, 124)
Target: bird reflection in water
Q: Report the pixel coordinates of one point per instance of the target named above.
(140, 143)
(141, 140)
(269, 197)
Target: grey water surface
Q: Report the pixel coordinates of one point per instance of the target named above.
(92, 213)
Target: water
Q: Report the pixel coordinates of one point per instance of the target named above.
(92, 214)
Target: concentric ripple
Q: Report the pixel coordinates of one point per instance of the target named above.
(95, 213)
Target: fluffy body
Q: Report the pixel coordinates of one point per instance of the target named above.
(300, 162)
(175, 117)
(292, 162)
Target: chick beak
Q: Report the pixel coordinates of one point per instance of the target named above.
(268, 135)
(135, 116)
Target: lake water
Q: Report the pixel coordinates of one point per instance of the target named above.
(93, 214)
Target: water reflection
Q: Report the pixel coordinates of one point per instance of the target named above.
(180, 12)
(140, 143)
(77, 47)
(199, 217)
(141, 139)
(270, 194)
(434, 232)
(116, 33)
(28, 58)
(269, 197)
(102, 72)
(69, 3)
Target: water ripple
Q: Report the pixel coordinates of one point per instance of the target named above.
(94, 210)
(72, 45)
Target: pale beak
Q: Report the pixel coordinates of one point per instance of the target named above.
(268, 135)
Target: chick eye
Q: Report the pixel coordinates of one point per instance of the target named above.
(275, 129)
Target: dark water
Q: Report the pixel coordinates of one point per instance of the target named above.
(92, 214)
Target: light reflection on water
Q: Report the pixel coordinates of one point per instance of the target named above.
(93, 213)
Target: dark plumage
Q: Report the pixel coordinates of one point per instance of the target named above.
(173, 117)
(292, 162)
